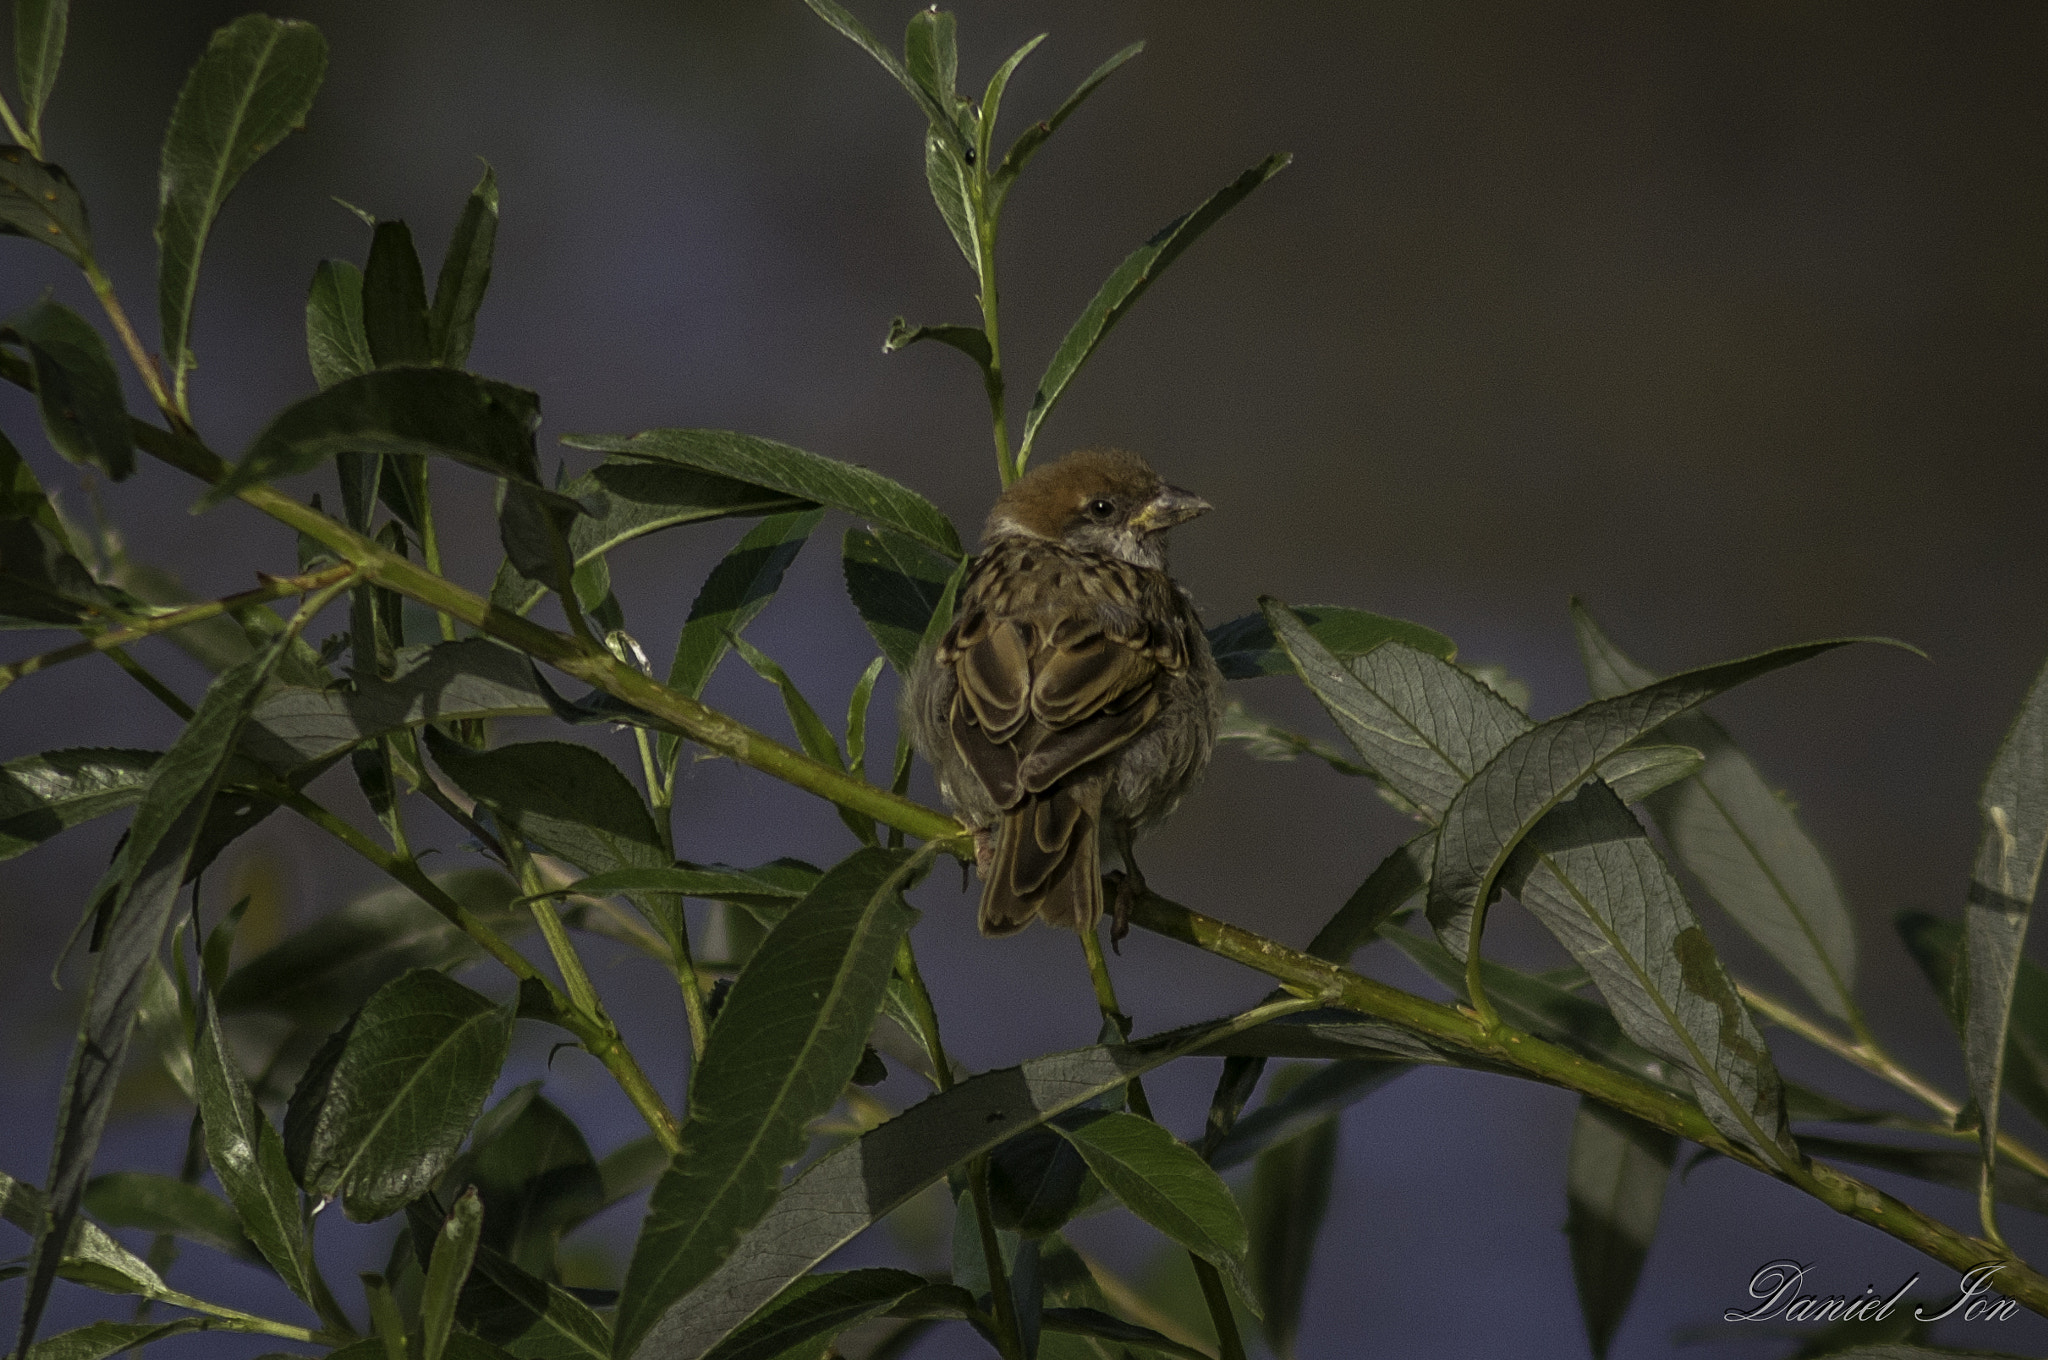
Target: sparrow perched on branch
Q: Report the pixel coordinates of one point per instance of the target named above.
(1073, 702)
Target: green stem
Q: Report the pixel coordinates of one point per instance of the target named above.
(138, 354)
(1009, 1338)
(234, 1320)
(17, 131)
(1547, 1062)
(1007, 468)
(430, 541)
(276, 588)
(1221, 1316)
(1475, 981)
(165, 695)
(582, 994)
(1872, 1058)
(661, 795)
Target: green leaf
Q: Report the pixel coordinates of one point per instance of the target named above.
(771, 889)
(931, 54)
(1122, 289)
(1290, 1194)
(812, 734)
(161, 1018)
(1637, 772)
(295, 726)
(1037, 1181)
(937, 114)
(410, 1079)
(780, 1053)
(165, 1204)
(98, 1340)
(411, 412)
(446, 1273)
(1096, 1324)
(1268, 741)
(1422, 725)
(857, 717)
(1542, 767)
(39, 201)
(1032, 138)
(971, 341)
(537, 1179)
(92, 1257)
(57, 790)
(1400, 878)
(791, 471)
(948, 180)
(734, 594)
(627, 498)
(529, 1318)
(859, 1183)
(395, 299)
(627, 1170)
(38, 51)
(77, 390)
(992, 98)
(337, 346)
(248, 1156)
(1614, 1192)
(1165, 1182)
(1299, 1108)
(571, 802)
(1937, 946)
(253, 85)
(816, 1308)
(896, 583)
(136, 895)
(465, 275)
(1742, 841)
(1545, 1010)
(2014, 805)
(42, 585)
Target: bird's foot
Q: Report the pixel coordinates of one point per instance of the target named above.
(1130, 890)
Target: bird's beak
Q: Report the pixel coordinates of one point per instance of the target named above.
(1170, 507)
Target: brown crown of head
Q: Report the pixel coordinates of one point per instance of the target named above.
(1091, 490)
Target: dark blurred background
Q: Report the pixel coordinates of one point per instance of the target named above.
(1728, 318)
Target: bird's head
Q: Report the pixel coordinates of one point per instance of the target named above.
(1102, 501)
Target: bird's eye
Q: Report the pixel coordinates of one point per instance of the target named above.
(1101, 507)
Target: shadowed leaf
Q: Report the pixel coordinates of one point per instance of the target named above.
(254, 84)
(1614, 1193)
(39, 201)
(896, 583)
(165, 1204)
(395, 299)
(1290, 1194)
(57, 790)
(465, 275)
(1245, 647)
(337, 346)
(77, 390)
(38, 51)
(818, 1307)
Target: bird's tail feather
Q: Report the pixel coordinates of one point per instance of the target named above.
(1047, 862)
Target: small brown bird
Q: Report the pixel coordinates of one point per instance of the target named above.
(1074, 698)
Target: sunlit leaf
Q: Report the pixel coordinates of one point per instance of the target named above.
(1035, 136)
(57, 790)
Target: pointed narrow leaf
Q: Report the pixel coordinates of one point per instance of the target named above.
(1423, 726)
(39, 201)
(537, 1177)
(253, 85)
(1290, 1194)
(735, 592)
(248, 1156)
(528, 1317)
(395, 299)
(1937, 946)
(93, 1257)
(98, 1340)
(812, 734)
(1639, 771)
(77, 390)
(858, 1184)
(165, 1204)
(1128, 283)
(42, 583)
(2014, 805)
(1299, 1108)
(1032, 138)
(337, 346)
(409, 1081)
(771, 888)
(931, 54)
(839, 17)
(896, 583)
(817, 1308)
(1400, 878)
(465, 275)
(1591, 876)
(138, 891)
(38, 51)
(1100, 1326)
(971, 341)
(1732, 830)
(1165, 1182)
(947, 179)
(1245, 647)
(1614, 1193)
(1541, 768)
(792, 471)
(992, 98)
(57, 790)
(785, 1043)
(446, 1273)
(568, 799)
(414, 412)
